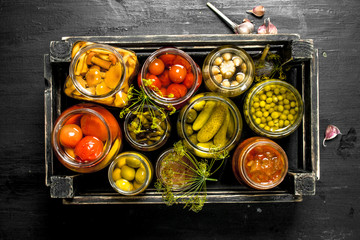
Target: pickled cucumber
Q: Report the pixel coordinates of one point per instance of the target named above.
(204, 115)
(213, 124)
(206, 144)
(193, 138)
(220, 137)
(191, 116)
(230, 127)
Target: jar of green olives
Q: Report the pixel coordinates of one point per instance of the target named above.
(210, 123)
(146, 128)
(228, 70)
(130, 173)
(273, 108)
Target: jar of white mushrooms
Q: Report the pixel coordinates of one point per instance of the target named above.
(228, 70)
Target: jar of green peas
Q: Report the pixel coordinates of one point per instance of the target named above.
(273, 108)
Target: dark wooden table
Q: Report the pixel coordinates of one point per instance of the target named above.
(28, 212)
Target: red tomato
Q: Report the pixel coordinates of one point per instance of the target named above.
(156, 84)
(189, 80)
(167, 59)
(139, 78)
(70, 135)
(75, 119)
(91, 125)
(88, 149)
(164, 78)
(163, 91)
(111, 121)
(177, 73)
(179, 60)
(178, 90)
(156, 67)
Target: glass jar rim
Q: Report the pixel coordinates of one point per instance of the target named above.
(234, 111)
(155, 97)
(133, 142)
(82, 51)
(263, 142)
(244, 55)
(291, 128)
(147, 166)
(56, 141)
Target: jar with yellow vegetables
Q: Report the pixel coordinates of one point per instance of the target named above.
(273, 108)
(101, 73)
(130, 173)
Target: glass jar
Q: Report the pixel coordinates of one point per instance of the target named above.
(228, 70)
(145, 129)
(130, 173)
(86, 138)
(174, 75)
(175, 171)
(273, 108)
(101, 73)
(209, 123)
(259, 163)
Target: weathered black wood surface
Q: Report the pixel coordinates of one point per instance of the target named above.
(26, 210)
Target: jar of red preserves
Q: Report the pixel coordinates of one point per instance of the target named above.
(86, 138)
(259, 163)
(174, 77)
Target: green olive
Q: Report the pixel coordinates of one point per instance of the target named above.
(140, 175)
(133, 162)
(124, 185)
(127, 173)
(116, 174)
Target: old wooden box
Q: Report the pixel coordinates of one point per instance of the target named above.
(302, 147)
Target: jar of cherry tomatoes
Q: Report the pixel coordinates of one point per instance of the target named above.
(86, 138)
(172, 77)
(259, 163)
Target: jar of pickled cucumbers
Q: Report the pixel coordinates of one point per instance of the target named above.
(86, 138)
(228, 70)
(130, 173)
(259, 163)
(146, 128)
(101, 73)
(273, 108)
(209, 123)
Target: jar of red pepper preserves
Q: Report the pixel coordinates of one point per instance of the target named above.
(260, 163)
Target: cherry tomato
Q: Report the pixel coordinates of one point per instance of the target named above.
(189, 80)
(88, 149)
(178, 90)
(156, 84)
(91, 125)
(111, 121)
(156, 67)
(70, 135)
(139, 78)
(75, 119)
(179, 60)
(167, 59)
(177, 73)
(163, 91)
(164, 78)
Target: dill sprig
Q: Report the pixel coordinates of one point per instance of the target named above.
(192, 192)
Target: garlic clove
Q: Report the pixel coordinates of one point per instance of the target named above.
(258, 11)
(246, 27)
(267, 28)
(330, 133)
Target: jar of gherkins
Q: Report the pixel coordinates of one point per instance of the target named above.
(273, 108)
(209, 124)
(146, 127)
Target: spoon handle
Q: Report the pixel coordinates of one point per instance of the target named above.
(223, 17)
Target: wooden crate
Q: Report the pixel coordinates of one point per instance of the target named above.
(302, 147)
